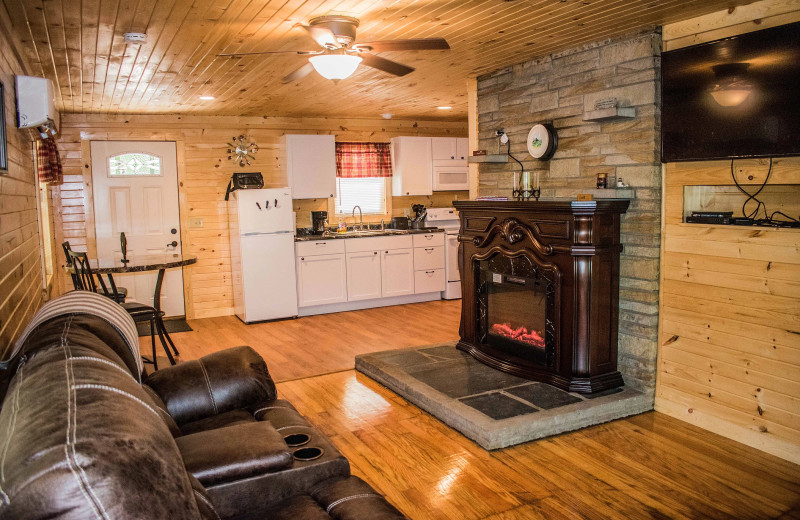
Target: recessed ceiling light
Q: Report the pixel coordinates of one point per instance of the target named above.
(386, 115)
(444, 108)
(207, 98)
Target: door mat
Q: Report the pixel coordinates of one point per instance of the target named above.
(493, 408)
(172, 326)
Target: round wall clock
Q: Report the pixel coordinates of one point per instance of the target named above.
(542, 142)
(240, 151)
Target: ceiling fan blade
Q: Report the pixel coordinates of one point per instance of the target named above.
(300, 73)
(392, 67)
(302, 53)
(322, 35)
(412, 44)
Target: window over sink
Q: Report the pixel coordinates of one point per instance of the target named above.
(369, 193)
(362, 170)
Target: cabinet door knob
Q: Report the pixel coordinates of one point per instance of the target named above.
(374, 252)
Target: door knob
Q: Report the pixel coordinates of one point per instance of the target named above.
(174, 243)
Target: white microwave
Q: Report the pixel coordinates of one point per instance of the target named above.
(450, 178)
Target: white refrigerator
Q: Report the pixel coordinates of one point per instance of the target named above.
(262, 254)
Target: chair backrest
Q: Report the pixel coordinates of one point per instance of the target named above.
(67, 248)
(83, 277)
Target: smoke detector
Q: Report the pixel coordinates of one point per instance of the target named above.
(134, 37)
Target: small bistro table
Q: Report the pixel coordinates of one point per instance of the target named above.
(139, 264)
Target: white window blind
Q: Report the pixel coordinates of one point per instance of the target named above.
(367, 192)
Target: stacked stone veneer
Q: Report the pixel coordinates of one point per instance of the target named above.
(560, 89)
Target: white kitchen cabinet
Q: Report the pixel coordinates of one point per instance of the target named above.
(462, 148)
(321, 279)
(363, 275)
(450, 149)
(309, 162)
(412, 166)
(397, 272)
(429, 263)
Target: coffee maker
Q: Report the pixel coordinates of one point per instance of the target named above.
(318, 221)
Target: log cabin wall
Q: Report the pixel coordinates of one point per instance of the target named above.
(203, 174)
(729, 344)
(20, 263)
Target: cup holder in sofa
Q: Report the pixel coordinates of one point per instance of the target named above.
(306, 454)
(297, 439)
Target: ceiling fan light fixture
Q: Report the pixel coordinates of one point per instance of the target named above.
(335, 66)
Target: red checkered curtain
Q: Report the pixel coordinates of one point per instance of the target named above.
(358, 160)
(48, 161)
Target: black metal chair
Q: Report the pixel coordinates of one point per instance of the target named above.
(84, 279)
(120, 292)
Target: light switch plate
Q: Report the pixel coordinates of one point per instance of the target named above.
(196, 222)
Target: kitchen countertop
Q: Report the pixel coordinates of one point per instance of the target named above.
(304, 234)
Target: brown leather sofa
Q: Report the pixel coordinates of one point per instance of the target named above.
(85, 434)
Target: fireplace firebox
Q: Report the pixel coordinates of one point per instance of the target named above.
(540, 289)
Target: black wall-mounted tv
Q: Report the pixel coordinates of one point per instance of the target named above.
(735, 97)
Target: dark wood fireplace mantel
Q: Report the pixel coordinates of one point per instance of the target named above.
(561, 259)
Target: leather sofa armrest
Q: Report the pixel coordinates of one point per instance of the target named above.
(227, 380)
(234, 452)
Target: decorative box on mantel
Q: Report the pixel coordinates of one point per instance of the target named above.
(540, 289)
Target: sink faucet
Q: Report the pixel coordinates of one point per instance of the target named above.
(360, 217)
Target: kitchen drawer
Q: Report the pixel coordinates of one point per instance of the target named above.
(430, 280)
(318, 247)
(357, 245)
(428, 257)
(428, 239)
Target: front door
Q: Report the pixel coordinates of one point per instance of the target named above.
(136, 192)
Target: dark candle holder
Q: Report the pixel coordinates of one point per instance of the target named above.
(526, 194)
(123, 244)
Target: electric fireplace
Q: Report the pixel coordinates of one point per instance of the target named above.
(540, 289)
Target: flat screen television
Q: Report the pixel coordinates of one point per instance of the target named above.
(735, 97)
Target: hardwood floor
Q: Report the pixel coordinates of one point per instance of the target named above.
(647, 466)
(315, 345)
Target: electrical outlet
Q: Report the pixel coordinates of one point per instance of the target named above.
(196, 222)
(406, 212)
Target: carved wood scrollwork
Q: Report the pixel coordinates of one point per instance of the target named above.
(512, 231)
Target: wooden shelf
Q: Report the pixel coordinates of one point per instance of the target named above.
(492, 158)
(611, 193)
(609, 114)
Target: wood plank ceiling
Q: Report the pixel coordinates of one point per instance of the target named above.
(79, 45)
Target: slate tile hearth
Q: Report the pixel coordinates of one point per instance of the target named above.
(496, 394)
(493, 408)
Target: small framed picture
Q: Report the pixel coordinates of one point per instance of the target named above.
(3, 143)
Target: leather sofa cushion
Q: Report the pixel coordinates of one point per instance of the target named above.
(218, 421)
(80, 440)
(297, 507)
(351, 497)
(234, 453)
(344, 498)
(214, 384)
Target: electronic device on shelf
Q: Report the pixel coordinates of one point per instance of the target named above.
(710, 217)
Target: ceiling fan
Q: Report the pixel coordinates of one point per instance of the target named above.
(340, 56)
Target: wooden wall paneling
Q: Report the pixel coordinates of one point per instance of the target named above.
(21, 288)
(729, 345)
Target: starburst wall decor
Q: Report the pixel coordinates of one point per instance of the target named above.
(241, 152)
